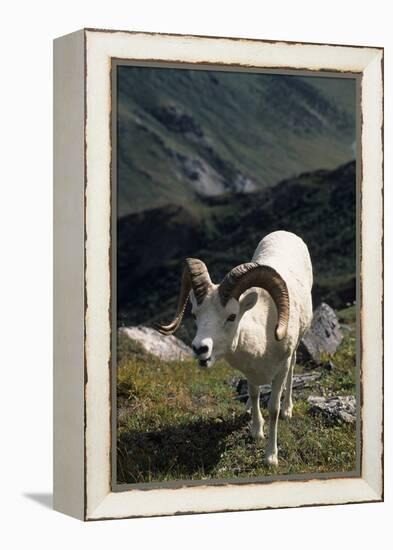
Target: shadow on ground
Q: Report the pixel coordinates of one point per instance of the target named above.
(45, 499)
(184, 450)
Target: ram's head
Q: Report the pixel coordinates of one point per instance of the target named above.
(218, 309)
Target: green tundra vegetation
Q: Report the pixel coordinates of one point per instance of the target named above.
(178, 422)
(208, 163)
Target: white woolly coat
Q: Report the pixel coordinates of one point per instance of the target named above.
(258, 354)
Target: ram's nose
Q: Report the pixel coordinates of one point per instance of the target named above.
(202, 348)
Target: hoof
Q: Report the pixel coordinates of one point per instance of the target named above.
(271, 460)
(286, 414)
(257, 433)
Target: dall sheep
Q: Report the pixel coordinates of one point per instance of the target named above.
(255, 319)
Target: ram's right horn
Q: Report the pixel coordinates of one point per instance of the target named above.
(195, 277)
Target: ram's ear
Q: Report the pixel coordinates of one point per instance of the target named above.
(247, 302)
(192, 299)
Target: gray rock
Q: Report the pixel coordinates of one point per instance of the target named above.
(177, 120)
(203, 178)
(336, 409)
(243, 184)
(323, 337)
(208, 180)
(299, 382)
(167, 348)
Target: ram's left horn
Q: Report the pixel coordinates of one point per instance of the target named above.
(251, 274)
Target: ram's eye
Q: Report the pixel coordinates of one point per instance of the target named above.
(231, 318)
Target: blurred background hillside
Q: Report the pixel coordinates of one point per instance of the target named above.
(209, 162)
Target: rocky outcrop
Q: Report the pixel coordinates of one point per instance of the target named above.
(336, 408)
(203, 178)
(167, 348)
(176, 120)
(322, 338)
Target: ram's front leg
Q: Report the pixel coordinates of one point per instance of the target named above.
(287, 405)
(274, 409)
(256, 415)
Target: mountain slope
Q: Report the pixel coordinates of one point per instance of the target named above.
(318, 206)
(185, 134)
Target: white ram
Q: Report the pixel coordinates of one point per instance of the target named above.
(255, 319)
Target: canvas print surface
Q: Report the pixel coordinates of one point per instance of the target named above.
(235, 275)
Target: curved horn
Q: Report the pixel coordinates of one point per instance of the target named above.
(195, 277)
(251, 274)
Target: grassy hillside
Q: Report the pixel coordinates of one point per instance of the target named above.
(176, 421)
(208, 164)
(185, 134)
(318, 206)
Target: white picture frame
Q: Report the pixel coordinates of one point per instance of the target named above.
(82, 257)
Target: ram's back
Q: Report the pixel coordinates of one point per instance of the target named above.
(289, 256)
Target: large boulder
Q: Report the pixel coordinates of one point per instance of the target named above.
(322, 338)
(335, 409)
(167, 348)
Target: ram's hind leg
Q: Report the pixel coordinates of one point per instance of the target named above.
(256, 415)
(271, 457)
(287, 405)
